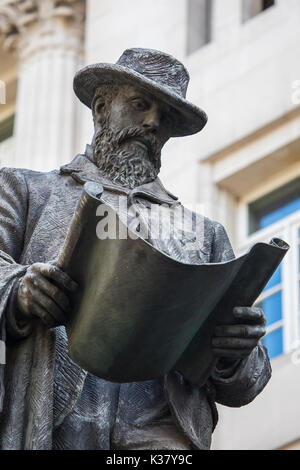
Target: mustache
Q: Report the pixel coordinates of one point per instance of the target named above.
(147, 138)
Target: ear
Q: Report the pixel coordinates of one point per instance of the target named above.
(100, 111)
(98, 106)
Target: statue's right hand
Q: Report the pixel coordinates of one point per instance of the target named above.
(43, 293)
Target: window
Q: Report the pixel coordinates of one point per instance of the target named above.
(275, 206)
(252, 8)
(199, 24)
(6, 128)
(271, 303)
(278, 215)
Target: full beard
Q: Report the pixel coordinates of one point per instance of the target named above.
(129, 167)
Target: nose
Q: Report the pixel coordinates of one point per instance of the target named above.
(151, 119)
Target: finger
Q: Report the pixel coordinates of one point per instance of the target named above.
(240, 331)
(250, 315)
(54, 261)
(232, 353)
(47, 304)
(51, 291)
(43, 315)
(54, 273)
(24, 291)
(234, 343)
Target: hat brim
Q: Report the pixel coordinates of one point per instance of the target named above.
(189, 118)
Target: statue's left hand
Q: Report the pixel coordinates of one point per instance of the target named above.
(44, 292)
(237, 340)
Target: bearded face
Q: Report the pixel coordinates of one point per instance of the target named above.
(129, 157)
(128, 136)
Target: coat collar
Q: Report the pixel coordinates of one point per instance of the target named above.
(83, 169)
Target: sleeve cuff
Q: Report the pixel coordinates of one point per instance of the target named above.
(225, 369)
(14, 326)
(246, 382)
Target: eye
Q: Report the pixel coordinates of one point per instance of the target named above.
(140, 104)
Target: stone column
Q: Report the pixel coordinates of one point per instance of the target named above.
(47, 35)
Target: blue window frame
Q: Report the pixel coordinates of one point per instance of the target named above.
(278, 214)
(274, 343)
(275, 206)
(271, 304)
(263, 213)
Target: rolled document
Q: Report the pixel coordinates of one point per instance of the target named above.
(140, 313)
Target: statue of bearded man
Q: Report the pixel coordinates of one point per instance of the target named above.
(48, 401)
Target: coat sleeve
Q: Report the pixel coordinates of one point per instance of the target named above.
(240, 383)
(13, 212)
(13, 216)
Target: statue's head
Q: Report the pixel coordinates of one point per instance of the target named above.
(137, 105)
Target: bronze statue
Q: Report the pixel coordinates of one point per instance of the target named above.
(49, 402)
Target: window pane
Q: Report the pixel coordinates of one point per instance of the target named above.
(275, 279)
(274, 206)
(272, 307)
(280, 213)
(274, 343)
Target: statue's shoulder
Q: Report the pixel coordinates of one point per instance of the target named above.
(24, 183)
(27, 173)
(29, 176)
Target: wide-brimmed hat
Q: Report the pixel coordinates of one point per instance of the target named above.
(153, 71)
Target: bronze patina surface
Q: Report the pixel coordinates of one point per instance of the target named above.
(47, 401)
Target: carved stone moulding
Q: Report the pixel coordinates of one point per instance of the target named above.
(19, 18)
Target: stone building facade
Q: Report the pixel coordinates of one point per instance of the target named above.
(242, 170)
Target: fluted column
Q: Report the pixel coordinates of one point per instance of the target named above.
(47, 35)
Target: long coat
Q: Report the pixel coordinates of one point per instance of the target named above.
(47, 401)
